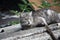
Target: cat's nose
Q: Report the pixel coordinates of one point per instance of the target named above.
(28, 22)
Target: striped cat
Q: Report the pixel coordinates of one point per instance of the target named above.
(33, 19)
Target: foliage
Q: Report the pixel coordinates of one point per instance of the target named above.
(15, 12)
(25, 6)
(14, 22)
(45, 4)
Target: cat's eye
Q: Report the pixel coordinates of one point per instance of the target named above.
(26, 18)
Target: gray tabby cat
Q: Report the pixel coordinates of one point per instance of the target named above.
(26, 19)
(34, 18)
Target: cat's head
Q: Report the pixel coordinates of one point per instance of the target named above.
(26, 18)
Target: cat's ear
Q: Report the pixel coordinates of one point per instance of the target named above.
(49, 12)
(30, 13)
(21, 14)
